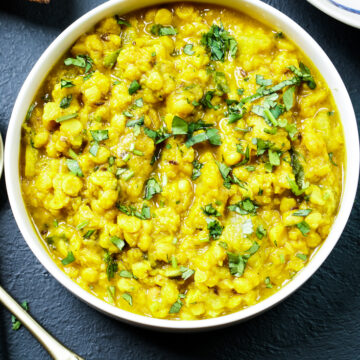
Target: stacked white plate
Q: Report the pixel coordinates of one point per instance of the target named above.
(346, 11)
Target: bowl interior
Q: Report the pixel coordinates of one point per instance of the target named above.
(254, 8)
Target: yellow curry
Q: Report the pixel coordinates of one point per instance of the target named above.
(182, 162)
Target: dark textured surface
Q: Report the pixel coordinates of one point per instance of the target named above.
(320, 321)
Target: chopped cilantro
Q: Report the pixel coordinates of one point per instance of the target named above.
(196, 169)
(128, 298)
(331, 155)
(160, 30)
(134, 87)
(82, 61)
(301, 256)
(186, 273)
(303, 227)
(110, 59)
(122, 21)
(210, 210)
(215, 229)
(69, 259)
(66, 117)
(111, 266)
(152, 188)
(139, 102)
(260, 232)
(218, 42)
(74, 167)
(188, 49)
(302, 212)
(244, 207)
(268, 283)
(99, 135)
(263, 82)
(119, 243)
(66, 84)
(16, 324)
(179, 126)
(237, 262)
(132, 123)
(176, 307)
(288, 97)
(126, 274)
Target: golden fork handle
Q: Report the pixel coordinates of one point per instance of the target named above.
(54, 348)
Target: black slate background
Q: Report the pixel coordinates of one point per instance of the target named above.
(320, 321)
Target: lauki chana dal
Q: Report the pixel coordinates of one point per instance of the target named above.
(182, 162)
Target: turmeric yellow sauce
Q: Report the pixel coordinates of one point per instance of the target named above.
(182, 162)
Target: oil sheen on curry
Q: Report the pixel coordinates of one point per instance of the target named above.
(182, 162)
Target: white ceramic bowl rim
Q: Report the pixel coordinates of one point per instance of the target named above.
(262, 12)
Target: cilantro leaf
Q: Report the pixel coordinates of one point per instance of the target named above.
(99, 135)
(196, 169)
(263, 82)
(188, 49)
(288, 97)
(211, 134)
(134, 87)
(302, 212)
(260, 232)
(82, 61)
(128, 298)
(176, 307)
(221, 83)
(179, 126)
(66, 84)
(119, 243)
(132, 123)
(65, 101)
(152, 188)
(69, 259)
(331, 155)
(244, 207)
(110, 59)
(218, 42)
(237, 262)
(186, 273)
(111, 266)
(74, 167)
(210, 210)
(215, 229)
(66, 117)
(160, 30)
(303, 227)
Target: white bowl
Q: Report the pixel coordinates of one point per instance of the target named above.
(63, 42)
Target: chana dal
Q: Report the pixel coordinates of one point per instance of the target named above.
(182, 162)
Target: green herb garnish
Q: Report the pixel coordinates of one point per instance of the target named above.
(128, 298)
(218, 42)
(66, 84)
(210, 210)
(196, 169)
(303, 212)
(160, 30)
(69, 259)
(66, 117)
(215, 229)
(303, 227)
(74, 167)
(237, 262)
(119, 243)
(134, 87)
(152, 188)
(188, 49)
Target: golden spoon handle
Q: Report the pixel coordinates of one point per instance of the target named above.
(54, 348)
